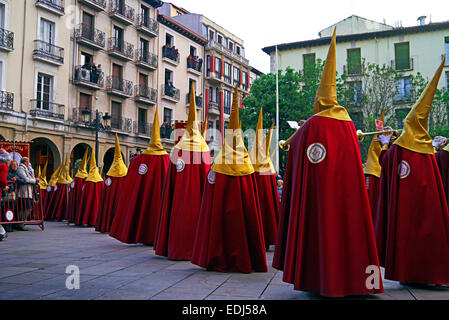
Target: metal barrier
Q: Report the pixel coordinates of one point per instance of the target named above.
(21, 205)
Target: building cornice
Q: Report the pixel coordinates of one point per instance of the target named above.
(172, 24)
(154, 3)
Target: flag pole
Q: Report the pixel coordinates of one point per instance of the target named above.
(277, 111)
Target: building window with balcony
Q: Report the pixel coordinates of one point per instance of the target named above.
(118, 38)
(402, 56)
(85, 101)
(403, 93)
(354, 61)
(47, 31)
(169, 50)
(236, 76)
(308, 63)
(227, 72)
(217, 67)
(142, 126)
(144, 15)
(116, 115)
(193, 61)
(44, 91)
(211, 94)
(166, 127)
(227, 101)
(245, 80)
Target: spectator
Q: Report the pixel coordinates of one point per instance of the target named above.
(93, 73)
(5, 159)
(163, 130)
(14, 181)
(25, 192)
(280, 186)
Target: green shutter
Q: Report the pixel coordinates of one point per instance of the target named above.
(309, 62)
(354, 61)
(402, 56)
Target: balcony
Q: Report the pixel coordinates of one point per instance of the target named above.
(6, 40)
(122, 13)
(120, 49)
(227, 110)
(170, 93)
(194, 66)
(119, 87)
(214, 108)
(46, 109)
(48, 52)
(121, 124)
(145, 95)
(91, 79)
(198, 101)
(213, 45)
(142, 128)
(146, 60)
(170, 55)
(90, 37)
(55, 6)
(6, 101)
(147, 25)
(353, 70)
(214, 77)
(98, 5)
(405, 65)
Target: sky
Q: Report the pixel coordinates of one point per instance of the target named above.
(261, 23)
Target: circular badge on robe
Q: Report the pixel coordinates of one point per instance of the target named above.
(143, 169)
(211, 177)
(316, 153)
(9, 215)
(56, 188)
(404, 170)
(108, 182)
(48, 189)
(180, 165)
(72, 185)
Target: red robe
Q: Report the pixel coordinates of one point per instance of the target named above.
(412, 223)
(60, 204)
(43, 197)
(90, 202)
(74, 198)
(373, 185)
(181, 204)
(442, 158)
(269, 206)
(326, 238)
(138, 209)
(229, 237)
(108, 203)
(51, 202)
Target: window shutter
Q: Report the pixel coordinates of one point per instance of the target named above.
(402, 56)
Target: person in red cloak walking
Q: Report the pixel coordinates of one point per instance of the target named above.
(138, 208)
(91, 195)
(113, 189)
(51, 193)
(61, 195)
(182, 192)
(412, 224)
(265, 175)
(326, 242)
(229, 237)
(75, 190)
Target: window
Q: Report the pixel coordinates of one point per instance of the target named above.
(44, 91)
(402, 56)
(236, 76)
(142, 121)
(169, 40)
(220, 39)
(447, 81)
(245, 80)
(227, 101)
(217, 95)
(47, 32)
(238, 50)
(194, 85)
(118, 37)
(86, 59)
(208, 66)
(211, 35)
(356, 88)
(2, 16)
(446, 44)
(116, 115)
(354, 61)
(144, 12)
(308, 63)
(227, 72)
(88, 26)
(231, 45)
(211, 94)
(144, 46)
(168, 115)
(85, 101)
(217, 67)
(192, 51)
(403, 90)
(168, 76)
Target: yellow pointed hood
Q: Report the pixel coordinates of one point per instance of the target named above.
(233, 159)
(43, 177)
(118, 168)
(54, 177)
(82, 170)
(259, 155)
(415, 136)
(372, 166)
(326, 104)
(155, 147)
(192, 140)
(94, 175)
(64, 174)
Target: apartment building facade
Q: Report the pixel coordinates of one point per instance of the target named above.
(408, 50)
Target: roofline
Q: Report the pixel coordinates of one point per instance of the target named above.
(154, 3)
(359, 36)
(167, 21)
(354, 15)
(256, 71)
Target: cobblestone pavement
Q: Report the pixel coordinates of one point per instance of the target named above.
(33, 265)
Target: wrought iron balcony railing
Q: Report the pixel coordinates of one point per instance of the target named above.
(142, 128)
(89, 76)
(95, 36)
(57, 5)
(198, 100)
(170, 53)
(6, 39)
(121, 47)
(98, 4)
(171, 92)
(146, 92)
(121, 124)
(147, 58)
(118, 84)
(194, 64)
(47, 109)
(403, 65)
(147, 23)
(48, 51)
(6, 100)
(121, 9)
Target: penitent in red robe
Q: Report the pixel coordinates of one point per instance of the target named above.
(51, 202)
(229, 237)
(89, 203)
(442, 158)
(61, 199)
(326, 239)
(75, 193)
(113, 188)
(138, 209)
(412, 224)
(373, 185)
(181, 204)
(269, 205)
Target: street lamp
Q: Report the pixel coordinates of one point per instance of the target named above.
(96, 124)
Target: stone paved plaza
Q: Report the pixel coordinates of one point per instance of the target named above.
(33, 265)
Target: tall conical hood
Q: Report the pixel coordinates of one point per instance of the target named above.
(326, 104)
(372, 166)
(64, 174)
(94, 175)
(42, 177)
(233, 159)
(192, 140)
(118, 168)
(82, 170)
(415, 136)
(54, 177)
(155, 147)
(205, 124)
(259, 154)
